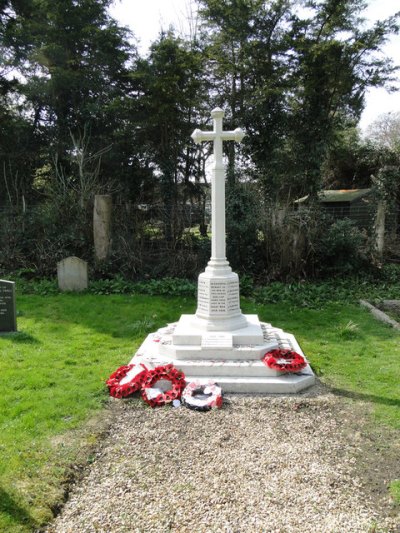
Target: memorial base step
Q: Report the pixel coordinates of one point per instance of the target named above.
(237, 352)
(190, 330)
(237, 370)
(287, 384)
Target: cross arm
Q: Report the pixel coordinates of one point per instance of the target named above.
(235, 135)
(198, 136)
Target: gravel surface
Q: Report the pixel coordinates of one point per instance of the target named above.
(260, 464)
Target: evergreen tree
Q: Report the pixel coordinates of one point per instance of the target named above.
(72, 63)
(296, 78)
(170, 83)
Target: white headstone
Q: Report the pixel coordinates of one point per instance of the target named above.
(72, 274)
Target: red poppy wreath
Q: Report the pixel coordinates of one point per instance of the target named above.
(284, 360)
(155, 397)
(137, 375)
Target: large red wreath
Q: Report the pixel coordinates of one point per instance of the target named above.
(169, 373)
(133, 385)
(284, 360)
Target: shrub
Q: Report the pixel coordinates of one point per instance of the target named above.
(166, 286)
(289, 241)
(242, 225)
(342, 248)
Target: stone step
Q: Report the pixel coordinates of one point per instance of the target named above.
(238, 369)
(287, 384)
(197, 353)
(225, 368)
(190, 330)
(221, 370)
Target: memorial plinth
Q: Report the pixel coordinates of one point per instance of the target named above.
(218, 342)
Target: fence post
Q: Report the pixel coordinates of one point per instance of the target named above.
(379, 227)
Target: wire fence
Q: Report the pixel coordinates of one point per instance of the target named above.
(157, 240)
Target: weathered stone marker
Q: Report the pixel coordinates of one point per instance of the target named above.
(72, 274)
(8, 314)
(102, 225)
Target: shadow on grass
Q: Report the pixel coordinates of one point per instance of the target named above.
(10, 508)
(118, 316)
(365, 397)
(20, 337)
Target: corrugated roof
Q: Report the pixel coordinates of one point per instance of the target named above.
(343, 195)
(339, 195)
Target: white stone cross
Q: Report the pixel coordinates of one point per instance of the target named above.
(218, 252)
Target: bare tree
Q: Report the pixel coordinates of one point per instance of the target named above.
(385, 131)
(84, 180)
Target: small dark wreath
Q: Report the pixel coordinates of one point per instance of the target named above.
(202, 396)
(169, 373)
(122, 391)
(284, 361)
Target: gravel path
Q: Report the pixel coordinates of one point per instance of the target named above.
(258, 465)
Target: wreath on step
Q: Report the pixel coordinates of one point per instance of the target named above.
(202, 396)
(156, 397)
(137, 374)
(284, 361)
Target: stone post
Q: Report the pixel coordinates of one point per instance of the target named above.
(102, 225)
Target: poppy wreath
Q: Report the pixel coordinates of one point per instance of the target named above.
(284, 360)
(131, 386)
(202, 396)
(169, 373)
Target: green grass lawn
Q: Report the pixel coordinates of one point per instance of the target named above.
(349, 350)
(53, 372)
(52, 380)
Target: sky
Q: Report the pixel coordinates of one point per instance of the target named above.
(147, 17)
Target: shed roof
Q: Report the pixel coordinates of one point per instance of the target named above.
(339, 195)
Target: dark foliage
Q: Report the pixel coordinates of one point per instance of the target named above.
(81, 113)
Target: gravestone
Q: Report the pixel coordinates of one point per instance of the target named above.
(8, 315)
(72, 274)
